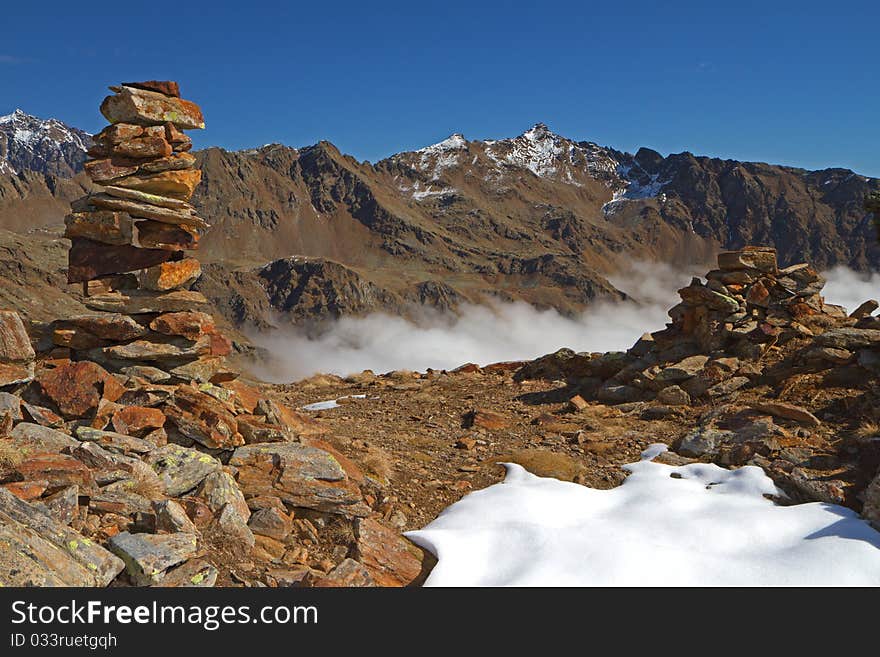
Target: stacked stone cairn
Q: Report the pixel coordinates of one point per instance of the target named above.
(129, 453)
(132, 242)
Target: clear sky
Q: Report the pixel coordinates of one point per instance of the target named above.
(778, 81)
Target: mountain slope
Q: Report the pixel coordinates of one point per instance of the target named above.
(537, 217)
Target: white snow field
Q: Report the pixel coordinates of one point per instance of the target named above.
(692, 525)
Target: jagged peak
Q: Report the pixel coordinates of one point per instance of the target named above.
(454, 142)
(539, 132)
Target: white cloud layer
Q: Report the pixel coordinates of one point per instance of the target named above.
(503, 331)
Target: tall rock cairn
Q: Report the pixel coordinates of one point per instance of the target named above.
(132, 240)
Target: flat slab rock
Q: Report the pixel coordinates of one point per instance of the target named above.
(181, 469)
(301, 475)
(37, 550)
(148, 556)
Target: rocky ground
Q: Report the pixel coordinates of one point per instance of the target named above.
(138, 473)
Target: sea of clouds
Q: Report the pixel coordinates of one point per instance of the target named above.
(504, 331)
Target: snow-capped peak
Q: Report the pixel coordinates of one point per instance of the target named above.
(454, 142)
(538, 132)
(43, 145)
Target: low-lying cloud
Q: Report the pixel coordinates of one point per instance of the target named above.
(502, 331)
(849, 288)
(477, 334)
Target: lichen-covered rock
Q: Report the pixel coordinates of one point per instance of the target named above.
(148, 556)
(181, 469)
(37, 550)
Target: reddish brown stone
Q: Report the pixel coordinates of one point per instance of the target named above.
(57, 469)
(109, 168)
(12, 373)
(43, 416)
(167, 87)
(159, 235)
(176, 137)
(204, 419)
(137, 420)
(119, 132)
(77, 388)
(390, 559)
(347, 574)
(27, 490)
(147, 146)
(89, 260)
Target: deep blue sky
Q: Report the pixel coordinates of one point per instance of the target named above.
(793, 82)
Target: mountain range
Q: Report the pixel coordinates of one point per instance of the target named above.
(312, 233)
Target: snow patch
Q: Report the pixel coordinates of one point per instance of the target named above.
(329, 403)
(692, 525)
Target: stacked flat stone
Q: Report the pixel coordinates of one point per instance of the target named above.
(132, 241)
(749, 302)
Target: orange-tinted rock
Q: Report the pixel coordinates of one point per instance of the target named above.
(390, 559)
(246, 396)
(137, 420)
(77, 388)
(119, 132)
(27, 490)
(143, 107)
(102, 226)
(202, 418)
(89, 260)
(167, 87)
(190, 325)
(57, 469)
(178, 184)
(172, 275)
(15, 345)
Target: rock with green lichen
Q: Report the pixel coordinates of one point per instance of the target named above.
(37, 550)
(148, 556)
(181, 469)
(193, 574)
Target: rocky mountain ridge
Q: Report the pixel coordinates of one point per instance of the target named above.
(538, 217)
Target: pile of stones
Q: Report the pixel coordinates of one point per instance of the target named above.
(130, 454)
(132, 242)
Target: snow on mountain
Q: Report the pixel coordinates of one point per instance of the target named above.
(549, 155)
(42, 145)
